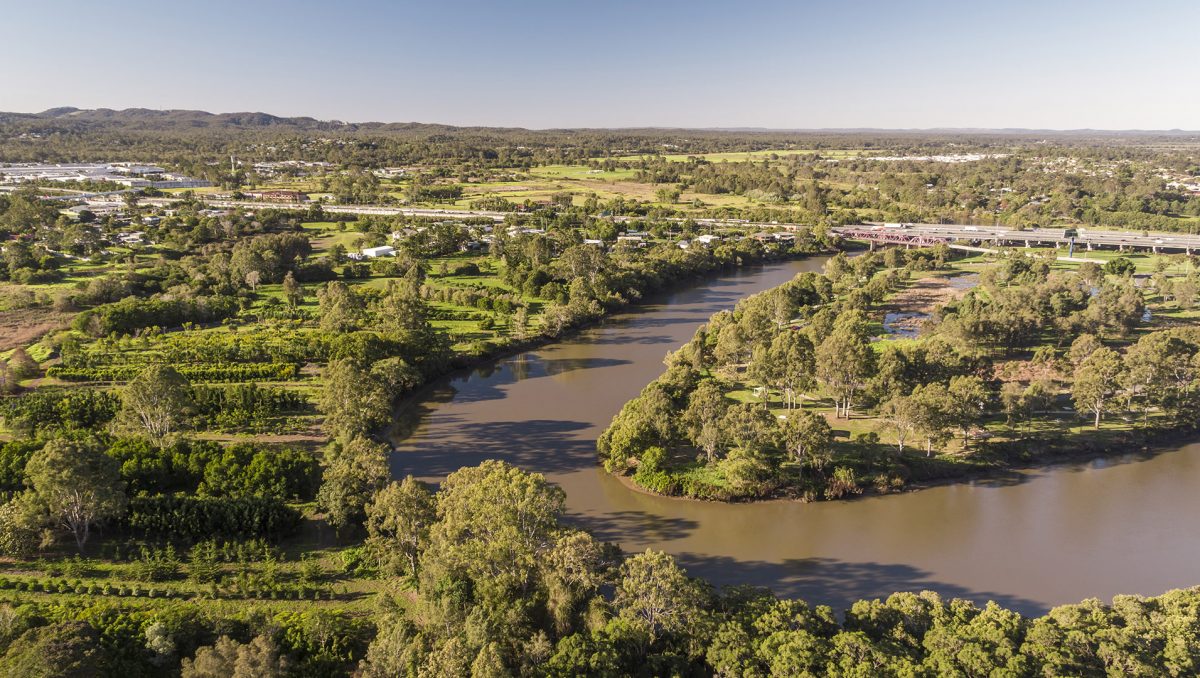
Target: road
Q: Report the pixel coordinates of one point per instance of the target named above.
(385, 210)
(1085, 238)
(83, 195)
(381, 210)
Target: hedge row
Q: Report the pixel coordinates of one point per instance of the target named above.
(277, 592)
(183, 517)
(195, 373)
(131, 314)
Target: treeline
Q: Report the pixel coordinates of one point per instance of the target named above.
(237, 406)
(1022, 186)
(198, 373)
(191, 468)
(197, 518)
(247, 346)
(683, 435)
(547, 267)
(201, 143)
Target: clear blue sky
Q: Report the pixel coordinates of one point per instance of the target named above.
(616, 63)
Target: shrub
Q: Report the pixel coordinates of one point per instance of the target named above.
(157, 564)
(197, 517)
(131, 314)
(842, 482)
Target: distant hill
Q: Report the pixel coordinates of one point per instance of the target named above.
(197, 141)
(150, 119)
(68, 117)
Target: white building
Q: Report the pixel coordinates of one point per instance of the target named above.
(128, 174)
(134, 238)
(381, 251)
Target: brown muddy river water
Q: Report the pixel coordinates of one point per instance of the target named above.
(1030, 540)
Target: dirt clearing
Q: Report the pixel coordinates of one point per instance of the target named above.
(25, 326)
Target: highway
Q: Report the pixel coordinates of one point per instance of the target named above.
(385, 210)
(81, 195)
(1084, 238)
(381, 210)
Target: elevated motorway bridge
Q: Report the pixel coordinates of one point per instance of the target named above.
(924, 235)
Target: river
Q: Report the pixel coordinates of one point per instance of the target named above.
(1029, 540)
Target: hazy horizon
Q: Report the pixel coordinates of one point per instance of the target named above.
(774, 65)
(750, 129)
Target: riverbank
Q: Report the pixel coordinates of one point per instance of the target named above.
(1147, 444)
(986, 391)
(507, 348)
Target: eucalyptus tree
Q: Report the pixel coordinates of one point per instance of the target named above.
(1097, 383)
(77, 486)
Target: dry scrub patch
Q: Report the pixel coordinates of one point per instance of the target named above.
(924, 296)
(25, 326)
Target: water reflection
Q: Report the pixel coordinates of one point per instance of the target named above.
(964, 281)
(828, 581)
(906, 325)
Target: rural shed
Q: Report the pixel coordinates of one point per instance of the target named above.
(381, 251)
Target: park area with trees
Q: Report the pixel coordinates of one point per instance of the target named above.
(813, 390)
